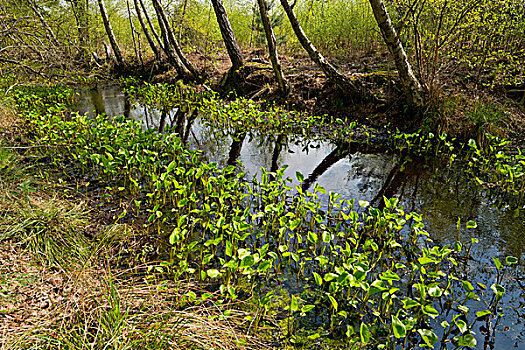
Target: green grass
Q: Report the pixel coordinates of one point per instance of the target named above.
(48, 227)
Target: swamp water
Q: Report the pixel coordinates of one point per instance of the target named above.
(441, 195)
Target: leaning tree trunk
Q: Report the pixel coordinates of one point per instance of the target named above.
(173, 58)
(342, 81)
(150, 23)
(138, 53)
(111, 35)
(183, 15)
(411, 86)
(172, 40)
(272, 47)
(227, 35)
(149, 38)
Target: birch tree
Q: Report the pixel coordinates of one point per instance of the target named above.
(146, 31)
(410, 84)
(187, 67)
(341, 80)
(111, 36)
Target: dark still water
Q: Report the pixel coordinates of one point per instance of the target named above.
(441, 195)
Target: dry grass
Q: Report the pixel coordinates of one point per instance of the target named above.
(94, 310)
(64, 283)
(8, 119)
(95, 306)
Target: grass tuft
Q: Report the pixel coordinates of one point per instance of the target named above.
(49, 228)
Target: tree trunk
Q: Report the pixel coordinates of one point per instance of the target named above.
(172, 40)
(173, 58)
(272, 47)
(149, 38)
(227, 35)
(111, 35)
(148, 18)
(342, 81)
(411, 86)
(133, 31)
(182, 17)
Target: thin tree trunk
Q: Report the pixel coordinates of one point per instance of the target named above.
(253, 24)
(139, 42)
(272, 47)
(173, 40)
(150, 23)
(132, 26)
(342, 81)
(149, 38)
(173, 58)
(80, 13)
(227, 35)
(111, 35)
(182, 17)
(411, 86)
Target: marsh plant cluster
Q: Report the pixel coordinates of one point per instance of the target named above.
(313, 270)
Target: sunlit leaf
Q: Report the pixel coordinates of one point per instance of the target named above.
(398, 327)
(467, 340)
(364, 333)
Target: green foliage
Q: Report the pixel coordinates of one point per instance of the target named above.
(369, 275)
(47, 227)
(339, 26)
(483, 38)
(497, 168)
(240, 115)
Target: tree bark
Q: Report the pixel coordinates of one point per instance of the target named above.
(172, 40)
(182, 17)
(227, 35)
(173, 58)
(149, 38)
(111, 35)
(133, 31)
(153, 30)
(411, 86)
(272, 47)
(342, 81)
